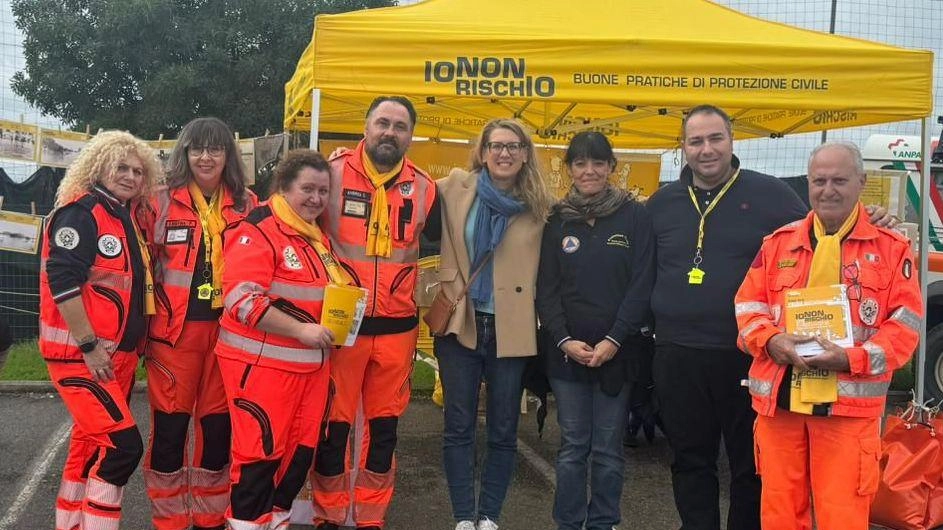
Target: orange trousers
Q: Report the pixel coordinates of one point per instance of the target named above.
(829, 461)
(183, 383)
(372, 384)
(105, 446)
(277, 419)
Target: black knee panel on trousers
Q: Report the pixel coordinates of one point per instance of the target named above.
(121, 460)
(251, 497)
(329, 461)
(294, 478)
(217, 433)
(169, 440)
(382, 444)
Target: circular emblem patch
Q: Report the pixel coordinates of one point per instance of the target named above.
(109, 245)
(868, 311)
(67, 237)
(406, 189)
(291, 258)
(570, 244)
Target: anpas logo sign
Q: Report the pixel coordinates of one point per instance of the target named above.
(489, 76)
(899, 148)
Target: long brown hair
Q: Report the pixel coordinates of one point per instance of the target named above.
(204, 132)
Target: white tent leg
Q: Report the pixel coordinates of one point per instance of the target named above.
(926, 179)
(315, 117)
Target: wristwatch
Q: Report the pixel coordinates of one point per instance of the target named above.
(88, 346)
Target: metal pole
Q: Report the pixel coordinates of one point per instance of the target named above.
(926, 179)
(831, 29)
(315, 118)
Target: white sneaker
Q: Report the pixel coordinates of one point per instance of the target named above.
(465, 525)
(487, 524)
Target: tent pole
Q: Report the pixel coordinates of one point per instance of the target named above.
(925, 182)
(315, 118)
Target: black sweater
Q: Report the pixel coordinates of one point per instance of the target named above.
(702, 316)
(594, 282)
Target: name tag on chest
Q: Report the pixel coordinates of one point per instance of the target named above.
(178, 235)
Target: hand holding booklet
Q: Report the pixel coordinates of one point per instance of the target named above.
(821, 311)
(342, 312)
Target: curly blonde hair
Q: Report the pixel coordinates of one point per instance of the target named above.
(529, 187)
(100, 157)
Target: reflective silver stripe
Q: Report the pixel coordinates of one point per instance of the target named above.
(165, 481)
(64, 336)
(271, 351)
(877, 358)
(357, 252)
(109, 279)
(759, 387)
(296, 292)
(176, 278)
(68, 292)
(170, 506)
(163, 210)
(908, 318)
(205, 478)
(102, 492)
(857, 389)
(68, 519)
(862, 333)
(753, 326)
(96, 522)
(209, 504)
(420, 186)
(71, 491)
(243, 294)
(235, 524)
(745, 308)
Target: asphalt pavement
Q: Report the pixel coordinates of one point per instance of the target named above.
(34, 427)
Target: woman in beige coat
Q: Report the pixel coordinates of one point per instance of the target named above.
(492, 217)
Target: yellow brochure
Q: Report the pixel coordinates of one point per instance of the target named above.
(819, 311)
(342, 312)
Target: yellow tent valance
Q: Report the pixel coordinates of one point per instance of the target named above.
(627, 67)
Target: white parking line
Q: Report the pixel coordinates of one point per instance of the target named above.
(39, 466)
(538, 463)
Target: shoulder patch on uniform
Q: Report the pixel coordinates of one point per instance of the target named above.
(618, 240)
(786, 263)
(109, 245)
(66, 237)
(907, 269)
(292, 261)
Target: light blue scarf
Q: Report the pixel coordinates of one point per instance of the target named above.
(495, 211)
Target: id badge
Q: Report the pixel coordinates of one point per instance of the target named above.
(204, 292)
(695, 276)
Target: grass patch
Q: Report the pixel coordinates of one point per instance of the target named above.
(25, 364)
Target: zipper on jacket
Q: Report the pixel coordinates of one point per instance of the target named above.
(376, 282)
(163, 299)
(312, 264)
(400, 278)
(186, 258)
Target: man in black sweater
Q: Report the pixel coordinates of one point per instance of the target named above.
(708, 226)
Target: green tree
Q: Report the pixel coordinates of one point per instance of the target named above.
(149, 66)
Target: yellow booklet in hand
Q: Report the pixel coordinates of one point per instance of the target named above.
(819, 311)
(342, 312)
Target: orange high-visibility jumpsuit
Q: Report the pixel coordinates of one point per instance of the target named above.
(372, 377)
(832, 459)
(105, 445)
(277, 389)
(183, 378)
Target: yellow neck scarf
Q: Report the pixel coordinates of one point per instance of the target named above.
(826, 261)
(149, 308)
(379, 242)
(213, 223)
(313, 235)
(818, 386)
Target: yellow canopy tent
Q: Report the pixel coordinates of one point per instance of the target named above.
(627, 67)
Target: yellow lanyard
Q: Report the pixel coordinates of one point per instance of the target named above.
(696, 275)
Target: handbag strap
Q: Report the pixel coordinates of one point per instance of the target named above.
(474, 275)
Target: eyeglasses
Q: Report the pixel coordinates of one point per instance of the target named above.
(214, 151)
(513, 148)
(850, 273)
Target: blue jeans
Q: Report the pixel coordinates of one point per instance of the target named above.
(592, 425)
(461, 370)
